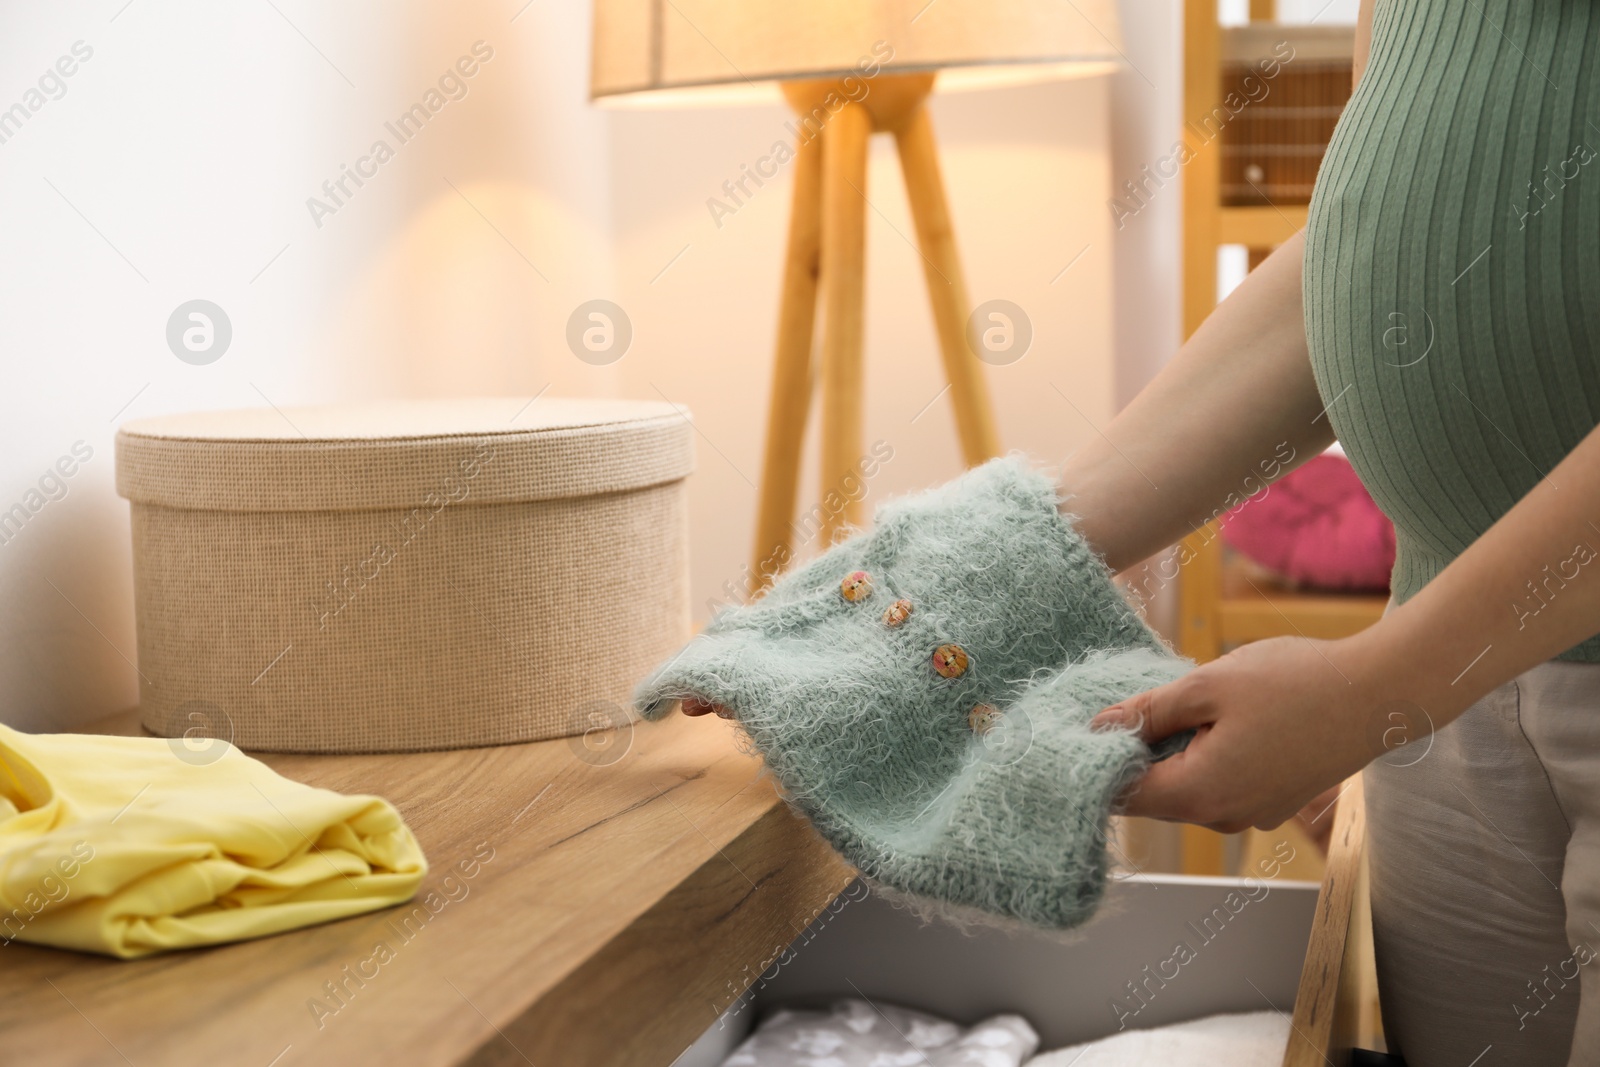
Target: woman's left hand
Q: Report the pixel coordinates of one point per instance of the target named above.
(1277, 722)
(694, 706)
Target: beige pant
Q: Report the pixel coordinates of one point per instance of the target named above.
(1486, 879)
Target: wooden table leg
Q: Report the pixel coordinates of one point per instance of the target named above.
(947, 289)
(791, 373)
(844, 218)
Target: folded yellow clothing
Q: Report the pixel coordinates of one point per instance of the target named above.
(120, 845)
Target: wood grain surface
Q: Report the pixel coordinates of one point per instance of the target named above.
(947, 286)
(789, 402)
(844, 279)
(619, 897)
(1326, 1008)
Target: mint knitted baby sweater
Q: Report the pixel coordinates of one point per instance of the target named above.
(922, 692)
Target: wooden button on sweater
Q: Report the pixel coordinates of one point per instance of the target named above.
(857, 585)
(950, 661)
(982, 718)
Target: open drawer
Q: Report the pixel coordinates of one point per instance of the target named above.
(1254, 943)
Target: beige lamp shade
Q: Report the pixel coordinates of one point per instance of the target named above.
(651, 51)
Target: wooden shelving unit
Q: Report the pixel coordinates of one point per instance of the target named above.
(1253, 227)
(1219, 606)
(1208, 223)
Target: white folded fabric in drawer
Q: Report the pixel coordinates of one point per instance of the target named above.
(860, 1033)
(1247, 1039)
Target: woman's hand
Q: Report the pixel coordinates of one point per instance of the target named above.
(696, 706)
(1277, 722)
(1281, 720)
(1316, 818)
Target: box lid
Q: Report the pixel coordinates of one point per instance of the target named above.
(401, 453)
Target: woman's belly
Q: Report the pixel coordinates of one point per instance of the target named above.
(1452, 268)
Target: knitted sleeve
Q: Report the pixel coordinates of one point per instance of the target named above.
(922, 693)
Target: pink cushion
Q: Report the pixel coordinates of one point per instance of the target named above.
(1316, 526)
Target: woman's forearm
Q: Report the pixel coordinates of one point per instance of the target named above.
(1236, 406)
(1527, 590)
(1283, 719)
(1217, 420)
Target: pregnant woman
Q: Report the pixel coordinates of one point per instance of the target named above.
(1440, 316)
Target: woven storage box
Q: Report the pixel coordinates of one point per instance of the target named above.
(405, 576)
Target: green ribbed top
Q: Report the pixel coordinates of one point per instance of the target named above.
(1452, 271)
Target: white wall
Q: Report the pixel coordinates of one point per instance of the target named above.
(1147, 115)
(184, 151)
(191, 140)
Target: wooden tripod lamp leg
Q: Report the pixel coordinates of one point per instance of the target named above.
(844, 220)
(791, 374)
(947, 288)
(831, 170)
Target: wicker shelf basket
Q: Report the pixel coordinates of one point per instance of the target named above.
(1272, 147)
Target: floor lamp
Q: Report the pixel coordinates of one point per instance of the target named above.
(848, 68)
